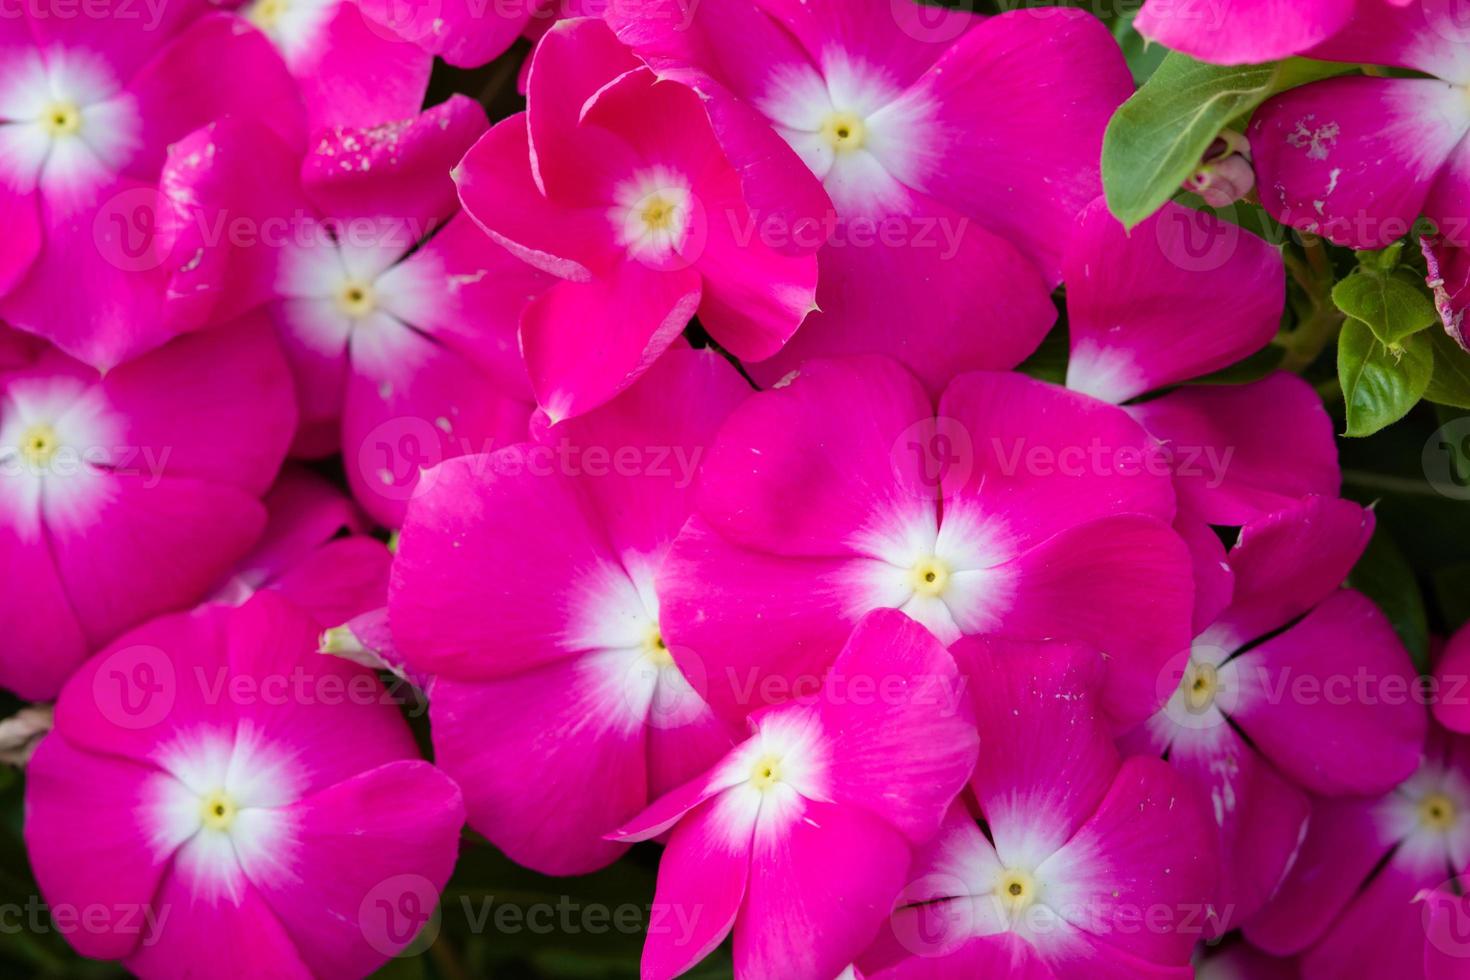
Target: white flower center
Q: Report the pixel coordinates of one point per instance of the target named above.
(651, 214)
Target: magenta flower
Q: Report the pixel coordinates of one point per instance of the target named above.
(88, 107)
(942, 211)
(1353, 904)
(1356, 159)
(1017, 508)
(304, 555)
(397, 314)
(525, 587)
(352, 70)
(129, 495)
(617, 186)
(1296, 687)
(1086, 865)
(232, 797)
(801, 838)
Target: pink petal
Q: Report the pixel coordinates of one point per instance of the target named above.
(1345, 841)
(1148, 846)
(336, 89)
(1238, 32)
(1129, 293)
(38, 618)
(124, 41)
(368, 850)
(973, 302)
(902, 40)
(1445, 914)
(585, 342)
(462, 32)
(1048, 757)
(20, 216)
(1286, 563)
(1214, 581)
(1380, 934)
(1243, 451)
(1452, 680)
(340, 581)
(1426, 37)
(89, 843)
(1002, 955)
(1353, 159)
(904, 750)
(1025, 162)
(810, 908)
(1362, 730)
(837, 437)
(1259, 816)
(305, 512)
(207, 928)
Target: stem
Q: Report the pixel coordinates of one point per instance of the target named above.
(1320, 327)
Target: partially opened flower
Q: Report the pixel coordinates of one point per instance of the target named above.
(525, 590)
(1014, 507)
(1084, 865)
(1357, 159)
(397, 314)
(953, 153)
(232, 797)
(800, 839)
(1353, 904)
(352, 70)
(1297, 687)
(617, 185)
(131, 494)
(1134, 304)
(88, 106)
(313, 552)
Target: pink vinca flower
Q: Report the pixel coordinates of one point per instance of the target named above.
(1297, 687)
(1248, 32)
(1356, 159)
(801, 838)
(952, 153)
(618, 186)
(1240, 451)
(397, 314)
(1078, 849)
(328, 46)
(131, 494)
(88, 106)
(525, 585)
(1015, 508)
(1358, 902)
(232, 797)
(313, 552)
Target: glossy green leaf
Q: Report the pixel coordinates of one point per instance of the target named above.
(1380, 384)
(1383, 574)
(1392, 304)
(1450, 384)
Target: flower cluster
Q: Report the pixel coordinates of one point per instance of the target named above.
(767, 443)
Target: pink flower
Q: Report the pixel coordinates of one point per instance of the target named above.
(1087, 865)
(1014, 508)
(352, 69)
(943, 210)
(88, 107)
(1449, 278)
(304, 555)
(1356, 159)
(231, 797)
(1178, 297)
(524, 598)
(397, 314)
(465, 33)
(1452, 681)
(617, 186)
(1245, 32)
(800, 839)
(1353, 903)
(131, 494)
(1296, 687)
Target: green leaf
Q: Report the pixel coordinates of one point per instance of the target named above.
(1157, 138)
(1380, 384)
(1394, 305)
(1452, 592)
(1451, 382)
(1383, 574)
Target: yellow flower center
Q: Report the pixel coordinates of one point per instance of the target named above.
(846, 131)
(266, 13)
(659, 213)
(656, 650)
(1017, 890)
(217, 810)
(930, 576)
(766, 773)
(357, 299)
(1200, 685)
(62, 119)
(1437, 812)
(39, 444)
